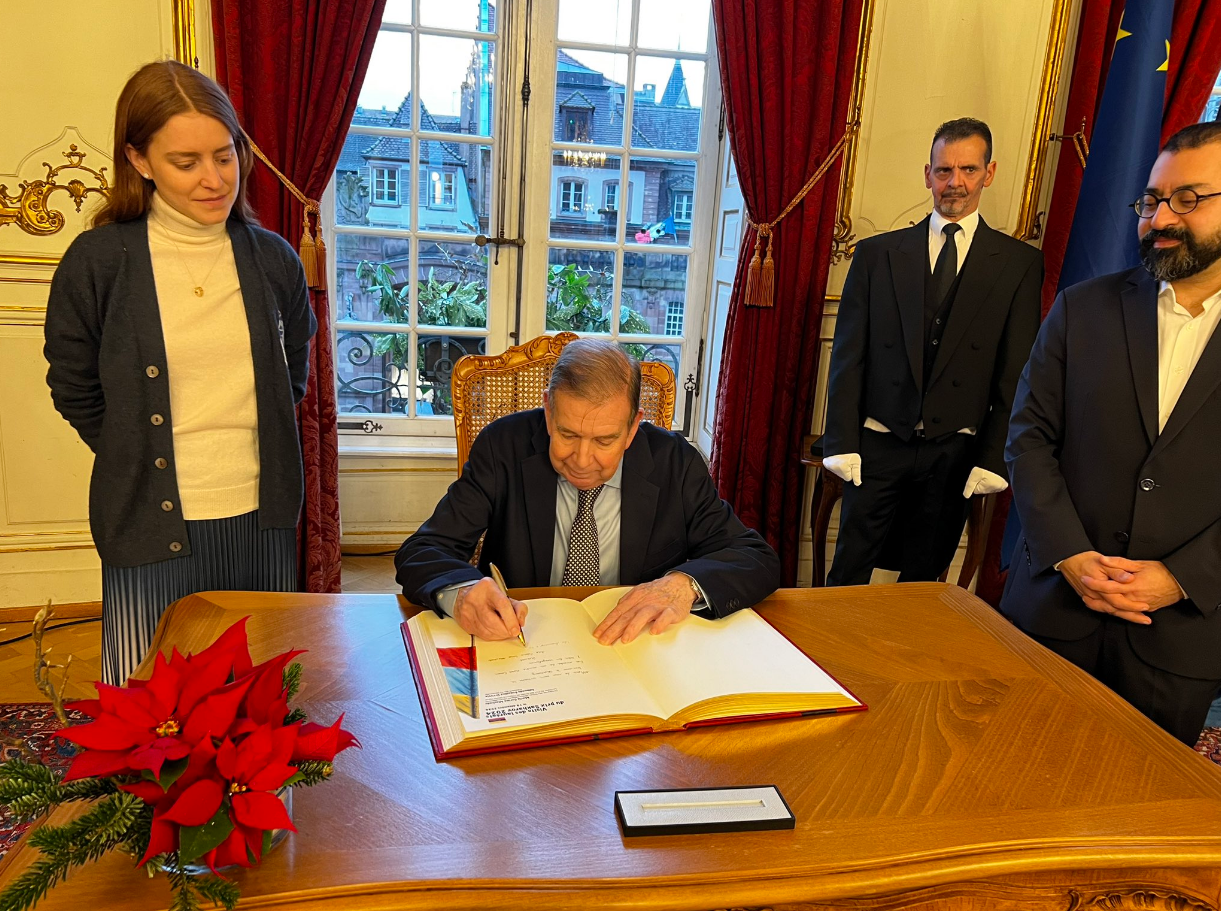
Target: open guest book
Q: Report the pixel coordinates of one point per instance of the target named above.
(565, 686)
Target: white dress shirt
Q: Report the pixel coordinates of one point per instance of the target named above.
(936, 240)
(1180, 342)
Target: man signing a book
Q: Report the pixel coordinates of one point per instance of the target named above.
(580, 492)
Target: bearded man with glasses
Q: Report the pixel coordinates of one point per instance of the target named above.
(1115, 428)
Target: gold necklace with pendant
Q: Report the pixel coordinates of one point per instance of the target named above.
(197, 288)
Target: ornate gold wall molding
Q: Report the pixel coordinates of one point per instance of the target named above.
(843, 241)
(1030, 220)
(29, 209)
(185, 48)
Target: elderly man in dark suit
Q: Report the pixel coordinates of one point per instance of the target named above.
(1115, 431)
(581, 492)
(934, 325)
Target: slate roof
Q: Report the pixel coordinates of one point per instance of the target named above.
(657, 125)
(358, 149)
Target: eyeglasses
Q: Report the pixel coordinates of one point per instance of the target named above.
(1180, 201)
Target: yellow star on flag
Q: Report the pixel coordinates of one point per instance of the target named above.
(1121, 34)
(1165, 67)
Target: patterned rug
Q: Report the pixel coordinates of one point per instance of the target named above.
(33, 724)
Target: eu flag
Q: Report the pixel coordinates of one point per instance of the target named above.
(1123, 147)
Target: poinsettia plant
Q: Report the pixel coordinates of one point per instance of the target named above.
(187, 770)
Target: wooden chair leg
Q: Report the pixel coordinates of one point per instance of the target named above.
(977, 537)
(828, 488)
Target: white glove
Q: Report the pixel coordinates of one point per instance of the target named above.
(981, 481)
(846, 466)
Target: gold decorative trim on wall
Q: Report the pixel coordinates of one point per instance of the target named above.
(843, 241)
(29, 210)
(1030, 220)
(185, 48)
(28, 259)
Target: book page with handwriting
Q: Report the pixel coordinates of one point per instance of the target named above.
(562, 674)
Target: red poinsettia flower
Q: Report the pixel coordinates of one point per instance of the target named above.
(247, 775)
(316, 741)
(141, 728)
(163, 836)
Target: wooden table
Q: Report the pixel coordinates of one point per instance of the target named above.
(987, 774)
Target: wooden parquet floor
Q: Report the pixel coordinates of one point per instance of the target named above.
(83, 641)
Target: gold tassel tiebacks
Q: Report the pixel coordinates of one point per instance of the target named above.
(312, 248)
(761, 274)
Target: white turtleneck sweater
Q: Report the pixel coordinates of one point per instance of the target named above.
(209, 365)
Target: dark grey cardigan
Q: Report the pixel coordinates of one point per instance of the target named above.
(109, 379)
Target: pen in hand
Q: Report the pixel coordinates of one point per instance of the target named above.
(500, 581)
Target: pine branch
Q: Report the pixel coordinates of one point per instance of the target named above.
(29, 789)
(292, 680)
(296, 715)
(310, 773)
(78, 842)
(189, 889)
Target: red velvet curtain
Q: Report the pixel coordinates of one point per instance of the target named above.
(1195, 58)
(293, 69)
(786, 73)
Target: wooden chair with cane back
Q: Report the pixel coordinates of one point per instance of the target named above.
(485, 387)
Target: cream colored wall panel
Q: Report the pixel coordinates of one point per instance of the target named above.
(31, 577)
(44, 466)
(384, 500)
(52, 104)
(931, 61)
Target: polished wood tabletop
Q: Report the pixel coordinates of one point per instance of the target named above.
(987, 773)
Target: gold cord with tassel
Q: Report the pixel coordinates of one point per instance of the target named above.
(761, 273)
(312, 248)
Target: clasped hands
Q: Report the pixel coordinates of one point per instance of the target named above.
(980, 481)
(485, 611)
(1128, 589)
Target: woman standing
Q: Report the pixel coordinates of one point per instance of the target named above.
(178, 336)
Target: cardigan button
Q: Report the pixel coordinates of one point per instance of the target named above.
(157, 420)
(175, 547)
(160, 463)
(152, 371)
(1147, 484)
(167, 506)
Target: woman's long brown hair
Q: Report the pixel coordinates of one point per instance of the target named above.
(154, 94)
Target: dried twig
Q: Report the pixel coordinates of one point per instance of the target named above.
(43, 667)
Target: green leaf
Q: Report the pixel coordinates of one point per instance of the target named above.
(170, 772)
(196, 841)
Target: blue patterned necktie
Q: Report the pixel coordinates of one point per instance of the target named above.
(583, 566)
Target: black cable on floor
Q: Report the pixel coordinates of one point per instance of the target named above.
(49, 629)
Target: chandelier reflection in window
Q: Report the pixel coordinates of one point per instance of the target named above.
(579, 158)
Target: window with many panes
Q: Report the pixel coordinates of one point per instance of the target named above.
(572, 197)
(682, 206)
(602, 251)
(409, 286)
(386, 186)
(674, 318)
(633, 269)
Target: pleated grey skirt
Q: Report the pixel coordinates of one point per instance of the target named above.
(226, 555)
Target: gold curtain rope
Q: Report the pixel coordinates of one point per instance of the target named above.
(312, 248)
(760, 276)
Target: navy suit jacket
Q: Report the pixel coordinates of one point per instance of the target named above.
(1091, 471)
(672, 519)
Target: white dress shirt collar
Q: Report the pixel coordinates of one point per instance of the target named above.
(968, 223)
